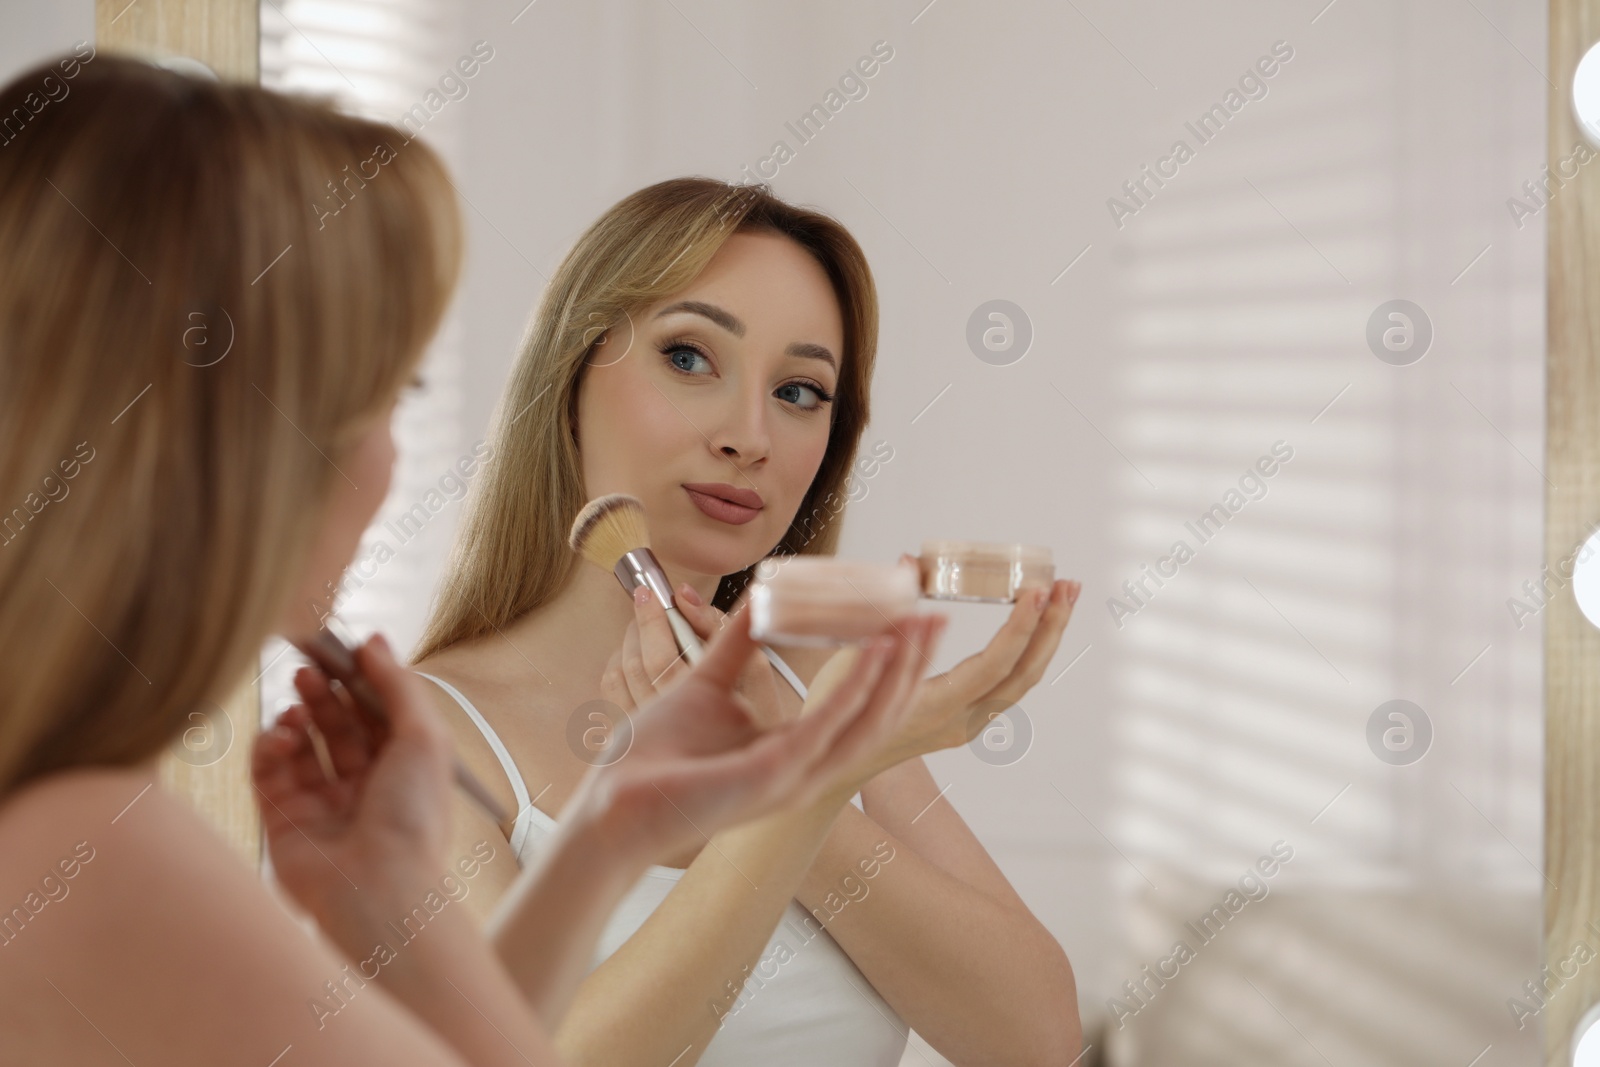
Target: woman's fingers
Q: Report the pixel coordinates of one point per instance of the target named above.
(272, 756)
(727, 653)
(845, 699)
(640, 687)
(705, 619)
(333, 715)
(1046, 640)
(871, 744)
(792, 756)
(663, 662)
(290, 787)
(890, 704)
(757, 681)
(405, 704)
(879, 695)
(303, 770)
(983, 670)
(651, 661)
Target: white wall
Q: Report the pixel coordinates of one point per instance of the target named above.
(32, 31)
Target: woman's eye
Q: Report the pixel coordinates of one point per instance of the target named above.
(683, 357)
(801, 394)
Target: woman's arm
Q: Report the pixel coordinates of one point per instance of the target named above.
(938, 930)
(960, 958)
(158, 945)
(365, 852)
(568, 896)
(943, 936)
(660, 998)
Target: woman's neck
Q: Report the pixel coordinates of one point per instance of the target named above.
(569, 638)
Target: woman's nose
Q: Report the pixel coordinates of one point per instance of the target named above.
(743, 433)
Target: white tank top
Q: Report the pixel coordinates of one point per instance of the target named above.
(804, 1003)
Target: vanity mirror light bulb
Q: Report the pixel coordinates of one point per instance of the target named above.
(1585, 1047)
(983, 571)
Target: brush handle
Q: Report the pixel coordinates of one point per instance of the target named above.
(335, 657)
(688, 641)
(640, 567)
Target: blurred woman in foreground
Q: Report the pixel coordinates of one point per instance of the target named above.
(170, 510)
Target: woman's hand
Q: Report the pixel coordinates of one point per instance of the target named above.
(383, 826)
(954, 707)
(694, 759)
(649, 661)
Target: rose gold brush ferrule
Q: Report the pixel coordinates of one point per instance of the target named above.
(640, 567)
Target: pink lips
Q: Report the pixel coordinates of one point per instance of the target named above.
(723, 502)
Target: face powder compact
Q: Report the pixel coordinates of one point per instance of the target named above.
(983, 571)
(821, 601)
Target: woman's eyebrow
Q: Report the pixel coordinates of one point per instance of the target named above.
(807, 350)
(730, 322)
(717, 315)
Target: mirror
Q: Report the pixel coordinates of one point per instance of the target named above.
(1238, 308)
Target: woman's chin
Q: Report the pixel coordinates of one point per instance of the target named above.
(705, 559)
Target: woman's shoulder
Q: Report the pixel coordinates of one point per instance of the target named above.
(514, 716)
(131, 930)
(114, 841)
(79, 804)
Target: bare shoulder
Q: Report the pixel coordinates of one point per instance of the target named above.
(460, 670)
(131, 931)
(477, 834)
(530, 721)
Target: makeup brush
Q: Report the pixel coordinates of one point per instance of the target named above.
(333, 651)
(611, 533)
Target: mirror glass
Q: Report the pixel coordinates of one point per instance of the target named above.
(1237, 306)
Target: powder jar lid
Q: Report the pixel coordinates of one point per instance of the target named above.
(822, 600)
(983, 571)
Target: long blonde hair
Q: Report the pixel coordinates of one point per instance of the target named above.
(511, 554)
(205, 289)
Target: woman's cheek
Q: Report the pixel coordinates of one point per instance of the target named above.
(803, 461)
(658, 428)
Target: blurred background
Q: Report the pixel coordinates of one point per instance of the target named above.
(1090, 339)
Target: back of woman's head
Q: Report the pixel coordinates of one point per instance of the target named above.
(205, 289)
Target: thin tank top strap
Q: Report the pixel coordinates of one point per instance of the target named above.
(785, 670)
(519, 828)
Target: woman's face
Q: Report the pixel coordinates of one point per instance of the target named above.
(721, 390)
(360, 483)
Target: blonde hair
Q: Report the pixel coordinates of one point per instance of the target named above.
(160, 495)
(511, 554)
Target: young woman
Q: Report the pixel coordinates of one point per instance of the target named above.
(174, 505)
(709, 349)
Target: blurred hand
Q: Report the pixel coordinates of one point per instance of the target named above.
(383, 827)
(697, 760)
(648, 662)
(954, 707)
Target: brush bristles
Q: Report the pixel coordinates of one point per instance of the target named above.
(608, 528)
